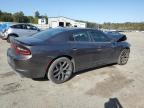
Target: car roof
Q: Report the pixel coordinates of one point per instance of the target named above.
(73, 28)
(19, 24)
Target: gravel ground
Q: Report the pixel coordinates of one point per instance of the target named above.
(99, 88)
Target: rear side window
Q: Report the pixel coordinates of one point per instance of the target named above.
(81, 37)
(98, 36)
(30, 27)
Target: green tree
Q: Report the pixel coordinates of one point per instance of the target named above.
(35, 20)
(31, 19)
(19, 17)
(46, 17)
(0, 12)
(6, 17)
(37, 14)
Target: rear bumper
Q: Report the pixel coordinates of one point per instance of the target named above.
(25, 67)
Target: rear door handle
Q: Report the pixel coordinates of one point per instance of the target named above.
(74, 49)
(99, 49)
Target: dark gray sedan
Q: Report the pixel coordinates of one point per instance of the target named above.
(60, 52)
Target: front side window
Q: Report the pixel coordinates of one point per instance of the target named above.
(81, 37)
(30, 27)
(98, 36)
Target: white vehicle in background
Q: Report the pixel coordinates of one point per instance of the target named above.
(18, 30)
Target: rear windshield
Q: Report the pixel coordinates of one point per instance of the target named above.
(44, 35)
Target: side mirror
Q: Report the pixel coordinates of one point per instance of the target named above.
(119, 38)
(123, 38)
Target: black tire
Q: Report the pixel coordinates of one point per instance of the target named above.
(124, 56)
(60, 70)
(10, 37)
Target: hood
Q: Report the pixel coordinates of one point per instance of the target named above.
(117, 37)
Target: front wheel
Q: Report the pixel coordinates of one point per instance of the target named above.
(124, 56)
(60, 70)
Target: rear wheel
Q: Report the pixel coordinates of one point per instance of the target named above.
(60, 70)
(124, 56)
(10, 37)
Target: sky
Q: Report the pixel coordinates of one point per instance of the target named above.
(99, 11)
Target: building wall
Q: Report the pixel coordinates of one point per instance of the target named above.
(42, 21)
(66, 22)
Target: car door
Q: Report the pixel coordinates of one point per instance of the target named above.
(82, 50)
(18, 29)
(103, 48)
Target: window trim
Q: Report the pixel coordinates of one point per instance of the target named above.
(93, 40)
(90, 39)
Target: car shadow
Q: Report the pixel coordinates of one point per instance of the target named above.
(113, 103)
(76, 73)
(41, 79)
(90, 69)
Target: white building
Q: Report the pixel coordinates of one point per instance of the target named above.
(64, 22)
(42, 21)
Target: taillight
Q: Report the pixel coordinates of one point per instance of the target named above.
(20, 50)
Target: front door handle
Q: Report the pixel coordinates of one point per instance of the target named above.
(99, 49)
(74, 49)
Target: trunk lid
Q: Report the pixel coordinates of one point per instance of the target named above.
(30, 41)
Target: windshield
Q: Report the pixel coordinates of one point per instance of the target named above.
(44, 35)
(4, 26)
(113, 32)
